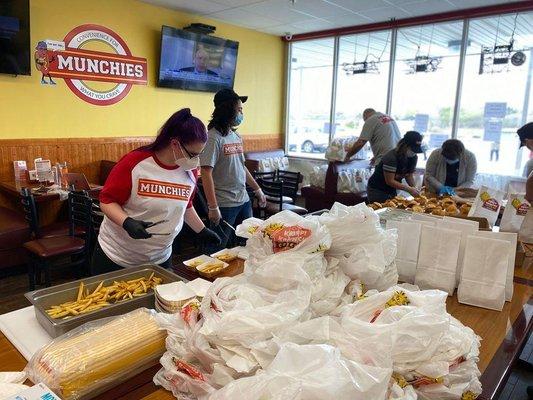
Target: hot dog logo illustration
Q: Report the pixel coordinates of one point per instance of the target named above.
(98, 77)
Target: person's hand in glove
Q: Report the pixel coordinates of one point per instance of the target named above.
(136, 229)
(214, 215)
(208, 236)
(446, 190)
(413, 191)
(261, 198)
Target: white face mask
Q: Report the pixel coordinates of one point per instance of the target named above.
(186, 163)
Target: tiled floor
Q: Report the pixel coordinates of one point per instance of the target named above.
(520, 378)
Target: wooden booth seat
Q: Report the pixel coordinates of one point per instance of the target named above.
(14, 232)
(317, 198)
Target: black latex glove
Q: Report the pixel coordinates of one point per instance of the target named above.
(208, 236)
(136, 229)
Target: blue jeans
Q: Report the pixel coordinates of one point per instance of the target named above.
(233, 216)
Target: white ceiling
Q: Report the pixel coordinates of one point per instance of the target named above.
(282, 16)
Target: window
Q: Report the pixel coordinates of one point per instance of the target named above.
(494, 103)
(432, 88)
(425, 81)
(362, 81)
(311, 77)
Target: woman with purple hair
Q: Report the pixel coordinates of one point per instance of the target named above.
(147, 197)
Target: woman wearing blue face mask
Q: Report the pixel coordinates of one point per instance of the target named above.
(148, 196)
(224, 175)
(395, 166)
(449, 168)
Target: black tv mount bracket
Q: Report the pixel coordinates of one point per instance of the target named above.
(200, 28)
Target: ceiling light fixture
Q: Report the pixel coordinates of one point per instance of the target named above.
(366, 66)
(420, 63)
(498, 58)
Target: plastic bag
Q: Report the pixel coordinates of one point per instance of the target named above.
(350, 226)
(487, 204)
(310, 372)
(99, 354)
(338, 148)
(514, 213)
(251, 308)
(11, 383)
(318, 176)
(284, 232)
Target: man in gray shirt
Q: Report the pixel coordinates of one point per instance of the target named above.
(381, 131)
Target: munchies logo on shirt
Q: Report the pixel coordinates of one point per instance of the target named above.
(166, 190)
(232, 148)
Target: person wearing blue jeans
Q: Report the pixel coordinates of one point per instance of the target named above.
(224, 175)
(233, 216)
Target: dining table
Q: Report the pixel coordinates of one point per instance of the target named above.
(49, 204)
(503, 336)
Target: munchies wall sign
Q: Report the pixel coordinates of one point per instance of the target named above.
(67, 59)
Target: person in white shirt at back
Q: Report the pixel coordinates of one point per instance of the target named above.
(381, 131)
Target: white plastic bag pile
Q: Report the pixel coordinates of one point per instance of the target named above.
(317, 177)
(353, 180)
(365, 251)
(338, 148)
(273, 164)
(295, 325)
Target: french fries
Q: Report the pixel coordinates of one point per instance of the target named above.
(213, 268)
(226, 257)
(103, 296)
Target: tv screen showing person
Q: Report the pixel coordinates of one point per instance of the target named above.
(196, 62)
(201, 64)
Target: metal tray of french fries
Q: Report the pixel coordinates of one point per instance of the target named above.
(62, 308)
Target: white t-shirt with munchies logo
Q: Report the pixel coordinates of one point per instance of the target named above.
(148, 191)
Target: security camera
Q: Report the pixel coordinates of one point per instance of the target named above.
(288, 36)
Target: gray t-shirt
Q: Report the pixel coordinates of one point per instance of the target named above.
(225, 155)
(383, 134)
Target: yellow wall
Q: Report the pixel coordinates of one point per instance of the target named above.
(31, 110)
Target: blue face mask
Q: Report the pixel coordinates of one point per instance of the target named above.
(448, 161)
(238, 119)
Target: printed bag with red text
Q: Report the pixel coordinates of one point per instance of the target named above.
(514, 212)
(285, 231)
(487, 204)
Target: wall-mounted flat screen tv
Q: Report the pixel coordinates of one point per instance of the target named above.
(15, 37)
(193, 61)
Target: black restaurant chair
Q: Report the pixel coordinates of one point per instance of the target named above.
(291, 183)
(45, 252)
(31, 213)
(271, 176)
(274, 191)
